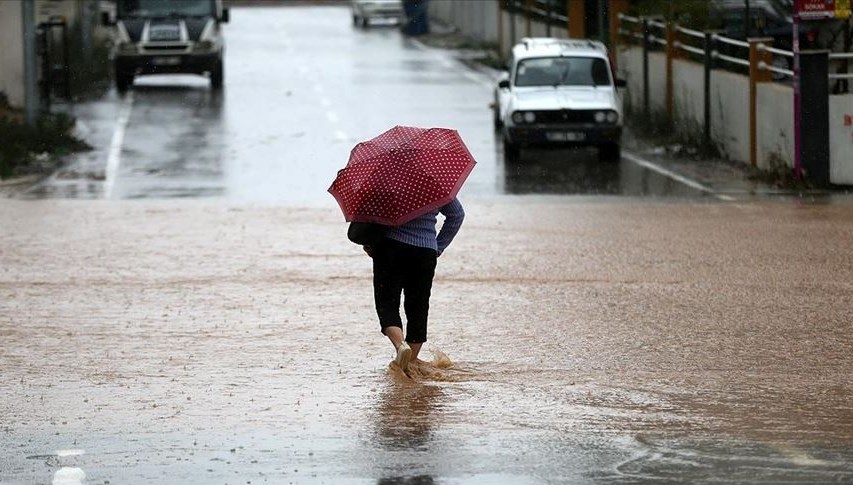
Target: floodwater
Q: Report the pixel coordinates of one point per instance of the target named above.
(601, 341)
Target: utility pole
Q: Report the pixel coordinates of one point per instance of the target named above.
(795, 41)
(31, 93)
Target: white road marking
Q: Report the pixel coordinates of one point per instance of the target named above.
(332, 116)
(674, 176)
(341, 136)
(326, 102)
(114, 154)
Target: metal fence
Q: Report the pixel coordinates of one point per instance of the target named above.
(723, 52)
(761, 63)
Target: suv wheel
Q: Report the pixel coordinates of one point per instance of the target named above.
(217, 76)
(123, 80)
(610, 152)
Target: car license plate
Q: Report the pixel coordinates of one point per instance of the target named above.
(166, 61)
(566, 136)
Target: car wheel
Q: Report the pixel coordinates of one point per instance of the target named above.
(123, 80)
(356, 20)
(610, 152)
(365, 22)
(217, 76)
(496, 117)
(511, 151)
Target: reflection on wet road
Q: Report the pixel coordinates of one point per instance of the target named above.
(579, 171)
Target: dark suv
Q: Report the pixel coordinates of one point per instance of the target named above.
(767, 18)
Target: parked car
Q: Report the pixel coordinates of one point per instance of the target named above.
(166, 37)
(767, 18)
(363, 11)
(559, 92)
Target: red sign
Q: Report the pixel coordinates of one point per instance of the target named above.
(816, 9)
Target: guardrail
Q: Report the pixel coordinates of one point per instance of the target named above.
(660, 38)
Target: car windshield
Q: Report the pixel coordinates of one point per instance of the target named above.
(165, 8)
(562, 71)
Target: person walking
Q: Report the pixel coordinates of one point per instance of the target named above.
(404, 263)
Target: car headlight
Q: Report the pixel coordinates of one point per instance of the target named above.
(204, 45)
(606, 116)
(127, 47)
(523, 117)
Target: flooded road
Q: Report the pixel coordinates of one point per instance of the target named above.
(203, 318)
(181, 341)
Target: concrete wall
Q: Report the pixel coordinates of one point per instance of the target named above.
(479, 19)
(689, 96)
(12, 53)
(775, 125)
(730, 114)
(841, 139)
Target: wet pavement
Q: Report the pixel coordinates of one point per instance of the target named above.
(204, 319)
(294, 104)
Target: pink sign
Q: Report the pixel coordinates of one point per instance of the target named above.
(816, 9)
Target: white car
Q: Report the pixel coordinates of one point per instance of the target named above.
(363, 11)
(559, 92)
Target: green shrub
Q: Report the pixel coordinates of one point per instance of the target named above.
(20, 142)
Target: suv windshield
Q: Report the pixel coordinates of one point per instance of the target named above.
(165, 8)
(562, 71)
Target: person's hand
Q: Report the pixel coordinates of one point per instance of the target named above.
(369, 250)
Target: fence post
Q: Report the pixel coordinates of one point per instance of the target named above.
(646, 45)
(814, 115)
(617, 7)
(759, 59)
(709, 66)
(576, 13)
(671, 55)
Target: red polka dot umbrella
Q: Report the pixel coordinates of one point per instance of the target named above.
(402, 174)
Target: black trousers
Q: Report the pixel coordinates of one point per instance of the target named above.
(402, 269)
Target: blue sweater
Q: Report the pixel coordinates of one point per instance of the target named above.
(421, 231)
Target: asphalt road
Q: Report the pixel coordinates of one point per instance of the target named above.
(303, 86)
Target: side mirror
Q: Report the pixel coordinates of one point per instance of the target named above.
(106, 19)
(503, 84)
(621, 83)
(226, 16)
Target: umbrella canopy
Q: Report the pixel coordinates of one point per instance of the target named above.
(402, 174)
